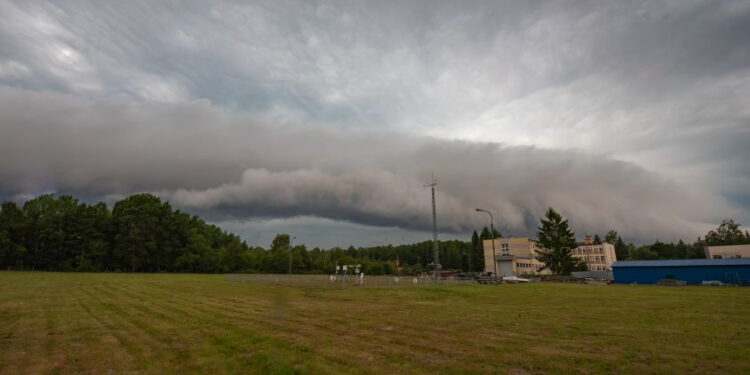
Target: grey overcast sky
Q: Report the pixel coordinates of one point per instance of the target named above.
(325, 119)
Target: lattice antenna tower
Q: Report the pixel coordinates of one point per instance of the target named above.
(435, 250)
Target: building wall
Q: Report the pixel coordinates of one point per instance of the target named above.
(597, 257)
(527, 266)
(520, 246)
(524, 250)
(728, 251)
(487, 245)
(693, 275)
(521, 250)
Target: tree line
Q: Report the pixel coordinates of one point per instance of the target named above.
(142, 233)
(727, 233)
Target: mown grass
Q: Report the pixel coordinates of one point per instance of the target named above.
(169, 324)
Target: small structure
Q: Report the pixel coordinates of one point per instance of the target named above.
(735, 271)
(727, 251)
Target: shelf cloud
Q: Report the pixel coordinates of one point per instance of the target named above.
(230, 166)
(626, 116)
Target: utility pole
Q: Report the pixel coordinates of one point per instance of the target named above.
(492, 234)
(435, 250)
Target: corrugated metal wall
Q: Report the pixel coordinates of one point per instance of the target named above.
(693, 275)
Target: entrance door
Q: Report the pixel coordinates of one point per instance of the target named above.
(505, 268)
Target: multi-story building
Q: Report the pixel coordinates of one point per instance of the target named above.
(514, 256)
(598, 257)
(728, 251)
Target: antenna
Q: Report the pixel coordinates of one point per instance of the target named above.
(435, 251)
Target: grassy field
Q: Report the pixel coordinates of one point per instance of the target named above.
(163, 323)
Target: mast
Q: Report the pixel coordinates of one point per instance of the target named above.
(435, 250)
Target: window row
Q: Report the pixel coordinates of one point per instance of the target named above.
(594, 259)
(529, 265)
(588, 250)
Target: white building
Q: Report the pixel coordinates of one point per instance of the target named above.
(598, 257)
(728, 251)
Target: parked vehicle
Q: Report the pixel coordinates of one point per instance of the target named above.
(515, 279)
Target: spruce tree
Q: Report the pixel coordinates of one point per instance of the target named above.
(557, 239)
(477, 252)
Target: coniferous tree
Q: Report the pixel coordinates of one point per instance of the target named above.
(557, 239)
(477, 252)
(611, 237)
(622, 251)
(488, 235)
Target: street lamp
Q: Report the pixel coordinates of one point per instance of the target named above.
(492, 234)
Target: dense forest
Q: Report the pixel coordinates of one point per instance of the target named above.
(141, 233)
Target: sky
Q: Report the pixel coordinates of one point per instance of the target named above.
(325, 119)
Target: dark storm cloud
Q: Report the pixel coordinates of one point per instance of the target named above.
(234, 166)
(364, 63)
(631, 115)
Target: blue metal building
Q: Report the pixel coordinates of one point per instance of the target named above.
(694, 271)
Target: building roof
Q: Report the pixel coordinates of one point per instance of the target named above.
(504, 257)
(512, 257)
(729, 247)
(683, 262)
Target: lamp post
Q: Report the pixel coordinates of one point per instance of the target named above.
(492, 234)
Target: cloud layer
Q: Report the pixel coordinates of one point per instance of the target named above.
(631, 116)
(232, 166)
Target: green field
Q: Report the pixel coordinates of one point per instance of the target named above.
(167, 323)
